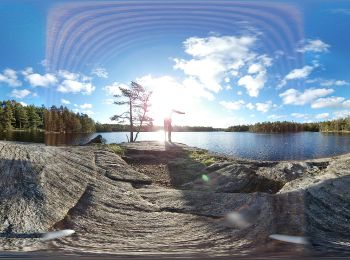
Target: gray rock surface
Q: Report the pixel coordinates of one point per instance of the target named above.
(115, 209)
(235, 178)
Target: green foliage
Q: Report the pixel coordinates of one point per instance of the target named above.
(202, 156)
(209, 161)
(7, 117)
(14, 115)
(338, 125)
(238, 128)
(117, 149)
(64, 121)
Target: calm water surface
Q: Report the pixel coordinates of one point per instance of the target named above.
(290, 146)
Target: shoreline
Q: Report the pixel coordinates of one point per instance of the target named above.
(216, 154)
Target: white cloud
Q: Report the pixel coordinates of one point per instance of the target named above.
(23, 104)
(88, 112)
(37, 80)
(328, 82)
(264, 107)
(250, 106)
(299, 73)
(237, 47)
(85, 106)
(322, 116)
(314, 46)
(113, 90)
(253, 84)
(295, 97)
(276, 117)
(341, 114)
(20, 93)
(302, 73)
(255, 68)
(68, 75)
(331, 102)
(236, 105)
(332, 82)
(75, 83)
(208, 71)
(300, 115)
(73, 86)
(239, 93)
(100, 72)
(278, 54)
(84, 111)
(44, 63)
(9, 76)
(65, 102)
(215, 59)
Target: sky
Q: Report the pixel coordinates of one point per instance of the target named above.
(221, 62)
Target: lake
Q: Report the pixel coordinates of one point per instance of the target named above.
(258, 146)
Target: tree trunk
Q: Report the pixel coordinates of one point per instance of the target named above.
(131, 123)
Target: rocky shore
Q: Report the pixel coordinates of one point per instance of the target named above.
(152, 198)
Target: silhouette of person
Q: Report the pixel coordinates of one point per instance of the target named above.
(167, 124)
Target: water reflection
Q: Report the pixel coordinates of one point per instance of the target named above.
(287, 146)
(23, 136)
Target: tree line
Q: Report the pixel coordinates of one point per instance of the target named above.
(15, 116)
(337, 125)
(62, 120)
(152, 128)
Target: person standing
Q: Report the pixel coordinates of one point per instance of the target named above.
(167, 124)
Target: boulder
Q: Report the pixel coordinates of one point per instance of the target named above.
(96, 140)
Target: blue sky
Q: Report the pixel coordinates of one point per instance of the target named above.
(222, 62)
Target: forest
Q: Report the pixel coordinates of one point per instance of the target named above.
(337, 125)
(15, 116)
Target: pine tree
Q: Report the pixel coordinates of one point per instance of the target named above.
(7, 116)
(137, 98)
(33, 118)
(21, 117)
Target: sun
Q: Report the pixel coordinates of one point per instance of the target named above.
(164, 100)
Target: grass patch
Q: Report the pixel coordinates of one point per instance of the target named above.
(209, 161)
(117, 149)
(203, 157)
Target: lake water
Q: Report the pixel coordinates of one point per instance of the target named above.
(289, 146)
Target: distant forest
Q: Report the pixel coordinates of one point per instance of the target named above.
(338, 125)
(15, 116)
(150, 128)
